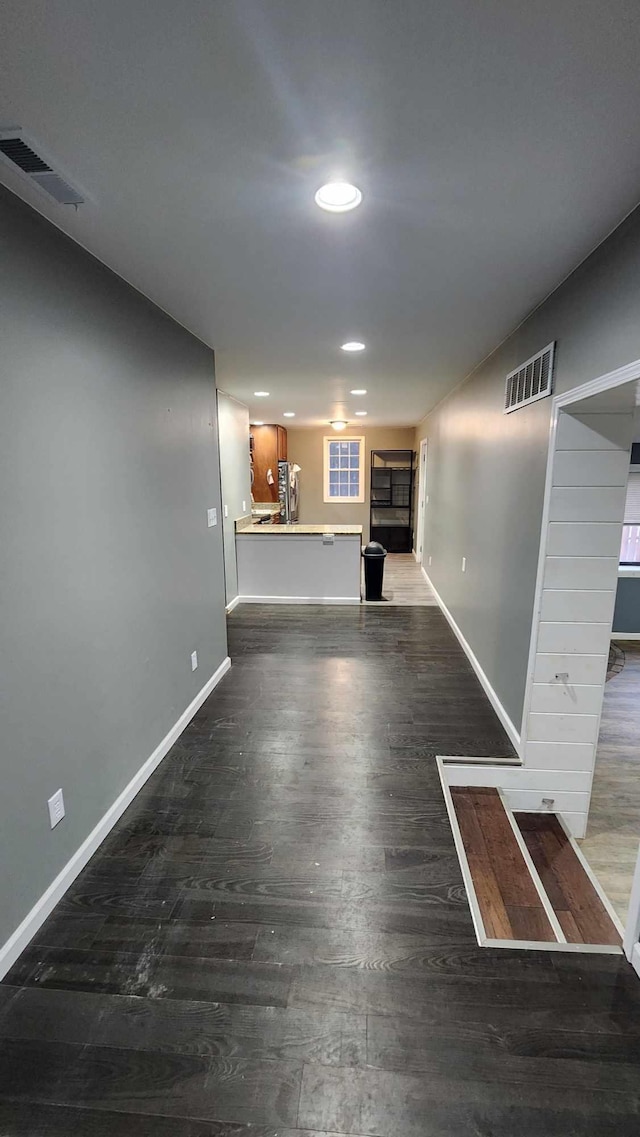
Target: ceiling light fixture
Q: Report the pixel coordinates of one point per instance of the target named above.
(261, 394)
(359, 391)
(353, 345)
(338, 197)
(338, 423)
(361, 413)
(257, 424)
(289, 414)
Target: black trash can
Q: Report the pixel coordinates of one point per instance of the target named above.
(374, 555)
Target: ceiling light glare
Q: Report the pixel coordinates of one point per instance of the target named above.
(257, 424)
(361, 413)
(353, 345)
(261, 394)
(338, 424)
(359, 391)
(338, 197)
(289, 414)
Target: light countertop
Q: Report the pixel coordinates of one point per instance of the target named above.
(298, 530)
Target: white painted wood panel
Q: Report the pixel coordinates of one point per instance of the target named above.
(584, 539)
(540, 781)
(583, 669)
(300, 565)
(563, 801)
(563, 698)
(562, 604)
(592, 431)
(576, 823)
(562, 728)
(570, 638)
(581, 572)
(559, 756)
(591, 468)
(587, 503)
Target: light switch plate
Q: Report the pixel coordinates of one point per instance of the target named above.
(226, 510)
(464, 564)
(244, 507)
(56, 808)
(212, 517)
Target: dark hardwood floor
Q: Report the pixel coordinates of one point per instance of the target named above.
(276, 933)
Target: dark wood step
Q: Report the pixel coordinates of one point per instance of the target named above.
(575, 901)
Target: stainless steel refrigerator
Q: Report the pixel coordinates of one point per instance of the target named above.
(288, 491)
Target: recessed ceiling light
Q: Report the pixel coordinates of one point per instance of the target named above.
(338, 197)
(257, 424)
(261, 394)
(338, 423)
(289, 414)
(359, 391)
(353, 345)
(361, 413)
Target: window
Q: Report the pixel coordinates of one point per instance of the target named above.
(344, 469)
(630, 548)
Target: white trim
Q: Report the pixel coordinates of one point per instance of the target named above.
(635, 959)
(549, 945)
(610, 910)
(533, 873)
(488, 689)
(625, 635)
(476, 916)
(632, 930)
(480, 760)
(299, 600)
(16, 943)
(232, 604)
(422, 509)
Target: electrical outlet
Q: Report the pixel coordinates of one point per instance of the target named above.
(429, 562)
(56, 808)
(226, 510)
(194, 660)
(426, 499)
(212, 517)
(244, 507)
(464, 564)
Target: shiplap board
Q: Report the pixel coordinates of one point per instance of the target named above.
(587, 503)
(583, 669)
(571, 638)
(565, 698)
(584, 539)
(538, 781)
(592, 431)
(590, 468)
(585, 607)
(563, 801)
(562, 727)
(581, 572)
(559, 756)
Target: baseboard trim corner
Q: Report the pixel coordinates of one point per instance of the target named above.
(43, 907)
(513, 734)
(299, 599)
(232, 604)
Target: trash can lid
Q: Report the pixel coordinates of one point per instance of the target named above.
(375, 549)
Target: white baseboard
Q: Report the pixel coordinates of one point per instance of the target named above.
(232, 604)
(625, 636)
(16, 943)
(513, 734)
(299, 600)
(635, 959)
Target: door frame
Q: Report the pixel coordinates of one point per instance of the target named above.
(422, 501)
(563, 402)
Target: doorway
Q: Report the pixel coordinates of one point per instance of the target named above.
(422, 500)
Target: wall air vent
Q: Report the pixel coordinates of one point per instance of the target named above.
(530, 381)
(20, 153)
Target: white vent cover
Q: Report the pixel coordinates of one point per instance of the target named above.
(21, 154)
(530, 381)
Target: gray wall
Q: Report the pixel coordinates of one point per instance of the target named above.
(109, 576)
(486, 470)
(626, 617)
(235, 475)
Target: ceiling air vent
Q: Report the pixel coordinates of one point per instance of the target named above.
(20, 153)
(530, 381)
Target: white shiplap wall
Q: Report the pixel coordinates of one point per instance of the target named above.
(586, 509)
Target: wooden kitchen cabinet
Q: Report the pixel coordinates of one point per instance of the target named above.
(268, 447)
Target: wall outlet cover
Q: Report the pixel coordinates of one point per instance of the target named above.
(226, 510)
(212, 517)
(194, 660)
(56, 808)
(327, 538)
(429, 560)
(244, 507)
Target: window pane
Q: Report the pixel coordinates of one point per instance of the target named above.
(354, 463)
(334, 490)
(334, 448)
(630, 548)
(354, 477)
(354, 449)
(353, 490)
(333, 461)
(344, 447)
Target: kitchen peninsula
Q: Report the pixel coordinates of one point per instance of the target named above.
(298, 564)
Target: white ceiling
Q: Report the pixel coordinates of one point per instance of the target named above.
(495, 141)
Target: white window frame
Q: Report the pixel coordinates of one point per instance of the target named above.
(357, 500)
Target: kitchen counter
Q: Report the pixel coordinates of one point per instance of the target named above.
(297, 530)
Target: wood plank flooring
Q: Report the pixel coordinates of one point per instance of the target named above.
(582, 915)
(509, 902)
(613, 831)
(276, 932)
(403, 582)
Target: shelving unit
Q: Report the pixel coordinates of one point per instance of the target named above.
(391, 515)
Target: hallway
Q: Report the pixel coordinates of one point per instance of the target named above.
(276, 932)
(404, 583)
